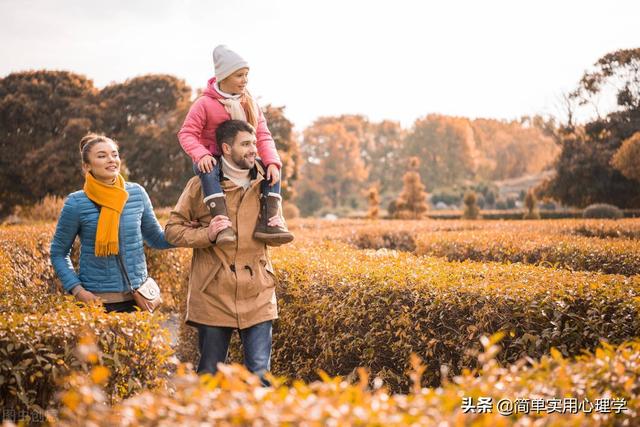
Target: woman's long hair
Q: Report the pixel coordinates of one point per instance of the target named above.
(249, 106)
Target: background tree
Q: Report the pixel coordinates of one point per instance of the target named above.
(512, 149)
(332, 154)
(374, 203)
(36, 108)
(412, 202)
(531, 203)
(56, 166)
(382, 154)
(627, 159)
(287, 144)
(144, 114)
(583, 172)
(471, 209)
(446, 147)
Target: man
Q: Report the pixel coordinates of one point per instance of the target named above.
(230, 287)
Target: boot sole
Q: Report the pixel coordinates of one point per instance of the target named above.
(270, 238)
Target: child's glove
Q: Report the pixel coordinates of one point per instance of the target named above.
(206, 164)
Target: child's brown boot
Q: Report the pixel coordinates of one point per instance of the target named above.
(217, 206)
(272, 236)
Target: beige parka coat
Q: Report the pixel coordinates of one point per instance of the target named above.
(231, 287)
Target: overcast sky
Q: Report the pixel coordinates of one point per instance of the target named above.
(395, 60)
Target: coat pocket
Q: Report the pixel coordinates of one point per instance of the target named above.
(268, 279)
(211, 281)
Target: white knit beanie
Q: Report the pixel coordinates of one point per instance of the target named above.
(226, 62)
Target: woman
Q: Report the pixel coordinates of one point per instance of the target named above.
(111, 217)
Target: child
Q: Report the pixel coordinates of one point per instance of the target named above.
(226, 97)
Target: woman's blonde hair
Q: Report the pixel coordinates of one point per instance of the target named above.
(88, 141)
(250, 109)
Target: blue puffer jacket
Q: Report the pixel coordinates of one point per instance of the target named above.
(79, 217)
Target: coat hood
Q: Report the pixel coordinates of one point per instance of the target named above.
(211, 91)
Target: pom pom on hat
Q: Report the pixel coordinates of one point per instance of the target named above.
(226, 62)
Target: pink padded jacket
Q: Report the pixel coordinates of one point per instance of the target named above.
(198, 133)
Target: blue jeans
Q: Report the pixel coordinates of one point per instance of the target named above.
(211, 181)
(256, 346)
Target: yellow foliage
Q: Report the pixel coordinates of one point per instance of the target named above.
(234, 396)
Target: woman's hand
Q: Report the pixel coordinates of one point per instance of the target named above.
(273, 173)
(206, 164)
(217, 224)
(142, 302)
(86, 296)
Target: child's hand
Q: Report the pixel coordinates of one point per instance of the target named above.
(206, 164)
(273, 173)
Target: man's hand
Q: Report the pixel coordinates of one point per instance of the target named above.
(86, 296)
(217, 224)
(273, 173)
(206, 164)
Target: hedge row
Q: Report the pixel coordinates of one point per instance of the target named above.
(518, 214)
(605, 386)
(36, 351)
(341, 308)
(40, 327)
(26, 268)
(570, 252)
(609, 248)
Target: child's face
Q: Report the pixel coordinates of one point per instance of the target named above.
(104, 162)
(243, 152)
(236, 83)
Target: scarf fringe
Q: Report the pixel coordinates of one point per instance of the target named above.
(107, 249)
(111, 199)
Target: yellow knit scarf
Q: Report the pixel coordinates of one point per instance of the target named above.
(112, 199)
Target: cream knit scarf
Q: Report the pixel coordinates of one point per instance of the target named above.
(232, 104)
(240, 177)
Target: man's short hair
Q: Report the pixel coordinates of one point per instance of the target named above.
(228, 130)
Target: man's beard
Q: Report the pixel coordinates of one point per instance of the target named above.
(242, 162)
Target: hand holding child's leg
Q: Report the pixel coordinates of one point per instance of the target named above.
(215, 201)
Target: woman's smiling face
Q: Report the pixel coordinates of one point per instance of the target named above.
(104, 162)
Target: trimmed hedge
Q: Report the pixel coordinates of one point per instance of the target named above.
(602, 210)
(560, 245)
(25, 267)
(342, 308)
(233, 397)
(40, 327)
(517, 214)
(572, 253)
(36, 350)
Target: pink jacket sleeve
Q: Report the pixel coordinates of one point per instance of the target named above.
(189, 134)
(266, 146)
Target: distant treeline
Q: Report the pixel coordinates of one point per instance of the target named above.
(43, 115)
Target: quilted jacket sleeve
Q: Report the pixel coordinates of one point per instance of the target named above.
(189, 134)
(66, 231)
(266, 145)
(151, 230)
